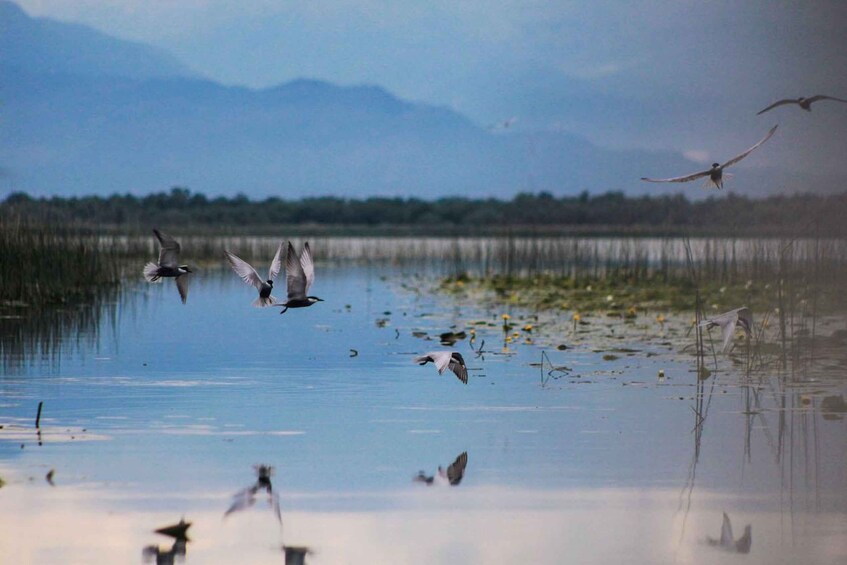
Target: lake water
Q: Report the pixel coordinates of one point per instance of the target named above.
(154, 411)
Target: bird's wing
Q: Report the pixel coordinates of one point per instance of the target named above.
(294, 274)
(459, 369)
(737, 158)
(745, 318)
(276, 264)
(182, 287)
(441, 359)
(818, 97)
(456, 471)
(244, 499)
(726, 532)
(169, 252)
(244, 270)
(686, 178)
(275, 506)
(777, 103)
(728, 329)
(308, 266)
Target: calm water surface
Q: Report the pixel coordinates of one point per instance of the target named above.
(157, 411)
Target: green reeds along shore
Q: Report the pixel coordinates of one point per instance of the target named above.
(43, 265)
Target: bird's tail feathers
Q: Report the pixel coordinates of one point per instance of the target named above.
(151, 273)
(265, 302)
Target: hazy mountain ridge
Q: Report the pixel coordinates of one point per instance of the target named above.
(86, 124)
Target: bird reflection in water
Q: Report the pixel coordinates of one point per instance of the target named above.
(728, 542)
(177, 551)
(247, 497)
(295, 555)
(451, 476)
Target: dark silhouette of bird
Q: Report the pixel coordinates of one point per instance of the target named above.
(249, 275)
(451, 476)
(715, 174)
(803, 102)
(168, 265)
(247, 497)
(443, 360)
(728, 542)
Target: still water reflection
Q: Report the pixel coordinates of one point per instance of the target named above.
(156, 411)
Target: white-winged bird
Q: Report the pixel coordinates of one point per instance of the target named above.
(443, 360)
(168, 265)
(803, 102)
(728, 322)
(299, 274)
(715, 174)
(249, 275)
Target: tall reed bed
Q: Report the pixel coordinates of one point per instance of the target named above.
(46, 264)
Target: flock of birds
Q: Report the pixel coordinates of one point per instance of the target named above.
(299, 275)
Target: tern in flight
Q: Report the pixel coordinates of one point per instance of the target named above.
(247, 497)
(446, 360)
(451, 476)
(803, 102)
(168, 265)
(715, 174)
(249, 275)
(728, 321)
(300, 274)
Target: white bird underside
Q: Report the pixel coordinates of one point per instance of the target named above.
(444, 360)
(249, 275)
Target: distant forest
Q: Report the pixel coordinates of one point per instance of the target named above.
(610, 212)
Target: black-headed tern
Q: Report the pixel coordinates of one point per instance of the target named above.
(168, 265)
(299, 274)
(715, 174)
(443, 360)
(249, 275)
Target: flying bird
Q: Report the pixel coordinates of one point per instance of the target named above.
(715, 174)
(168, 265)
(299, 274)
(803, 102)
(249, 275)
(247, 497)
(451, 476)
(452, 360)
(728, 322)
(728, 542)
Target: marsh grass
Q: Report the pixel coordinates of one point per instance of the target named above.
(44, 265)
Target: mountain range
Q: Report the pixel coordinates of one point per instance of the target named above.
(85, 113)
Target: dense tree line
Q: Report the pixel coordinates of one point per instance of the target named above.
(776, 214)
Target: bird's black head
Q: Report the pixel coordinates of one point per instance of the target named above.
(715, 165)
(270, 282)
(185, 269)
(314, 299)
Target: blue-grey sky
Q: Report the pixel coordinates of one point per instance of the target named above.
(687, 76)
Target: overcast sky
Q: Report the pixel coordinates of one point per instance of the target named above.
(682, 75)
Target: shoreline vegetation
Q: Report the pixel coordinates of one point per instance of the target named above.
(609, 214)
